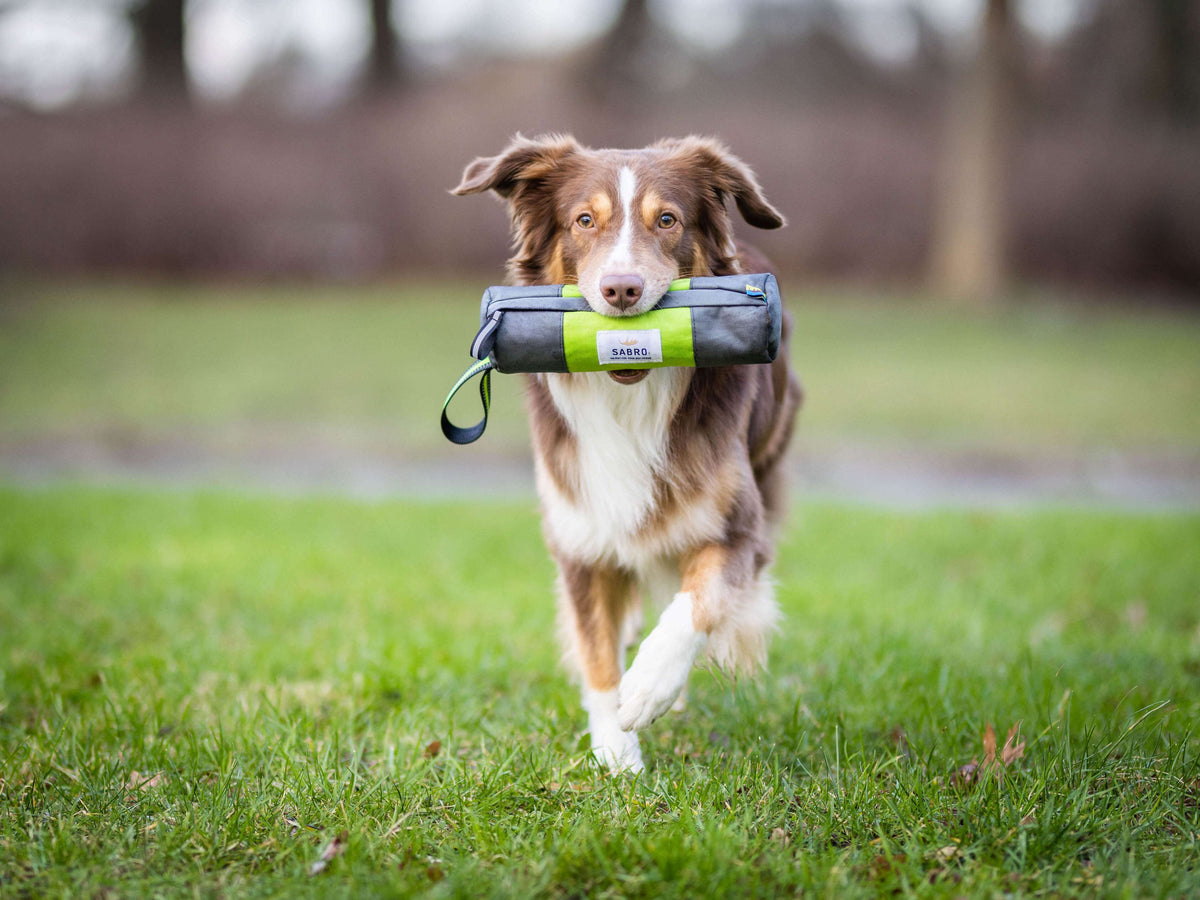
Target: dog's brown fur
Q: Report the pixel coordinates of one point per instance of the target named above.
(719, 487)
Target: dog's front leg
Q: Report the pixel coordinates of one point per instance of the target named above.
(595, 600)
(716, 578)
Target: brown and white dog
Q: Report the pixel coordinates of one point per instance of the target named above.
(656, 484)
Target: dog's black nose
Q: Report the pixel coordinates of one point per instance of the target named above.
(622, 291)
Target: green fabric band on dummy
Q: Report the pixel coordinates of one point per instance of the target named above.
(596, 343)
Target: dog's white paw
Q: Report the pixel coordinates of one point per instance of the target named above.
(615, 749)
(619, 754)
(660, 671)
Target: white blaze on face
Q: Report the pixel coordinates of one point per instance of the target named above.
(627, 254)
(620, 260)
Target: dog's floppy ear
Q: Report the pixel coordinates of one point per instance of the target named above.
(524, 160)
(730, 176)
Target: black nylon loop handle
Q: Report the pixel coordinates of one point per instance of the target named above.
(471, 433)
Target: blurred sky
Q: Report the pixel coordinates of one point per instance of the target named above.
(55, 52)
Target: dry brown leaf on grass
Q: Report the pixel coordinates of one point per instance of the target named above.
(947, 854)
(332, 851)
(137, 782)
(989, 745)
(296, 825)
(433, 749)
(141, 782)
(1012, 750)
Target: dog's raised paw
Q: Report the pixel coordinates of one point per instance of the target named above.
(660, 671)
(640, 706)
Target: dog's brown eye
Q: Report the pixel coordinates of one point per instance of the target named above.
(585, 221)
(666, 220)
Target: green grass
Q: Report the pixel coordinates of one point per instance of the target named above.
(275, 670)
(225, 364)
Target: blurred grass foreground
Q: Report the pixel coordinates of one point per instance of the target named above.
(202, 691)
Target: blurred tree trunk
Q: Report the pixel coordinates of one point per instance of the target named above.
(161, 29)
(968, 256)
(629, 31)
(1175, 74)
(618, 76)
(385, 66)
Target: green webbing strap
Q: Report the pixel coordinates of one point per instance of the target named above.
(467, 435)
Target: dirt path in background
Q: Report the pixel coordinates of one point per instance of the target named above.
(890, 476)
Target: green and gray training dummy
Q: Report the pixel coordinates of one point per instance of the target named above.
(726, 320)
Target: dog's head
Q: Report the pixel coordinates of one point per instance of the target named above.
(623, 224)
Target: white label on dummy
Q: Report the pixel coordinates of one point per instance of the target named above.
(622, 348)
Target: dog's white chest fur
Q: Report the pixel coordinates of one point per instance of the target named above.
(622, 434)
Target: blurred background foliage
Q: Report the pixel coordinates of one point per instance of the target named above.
(976, 146)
